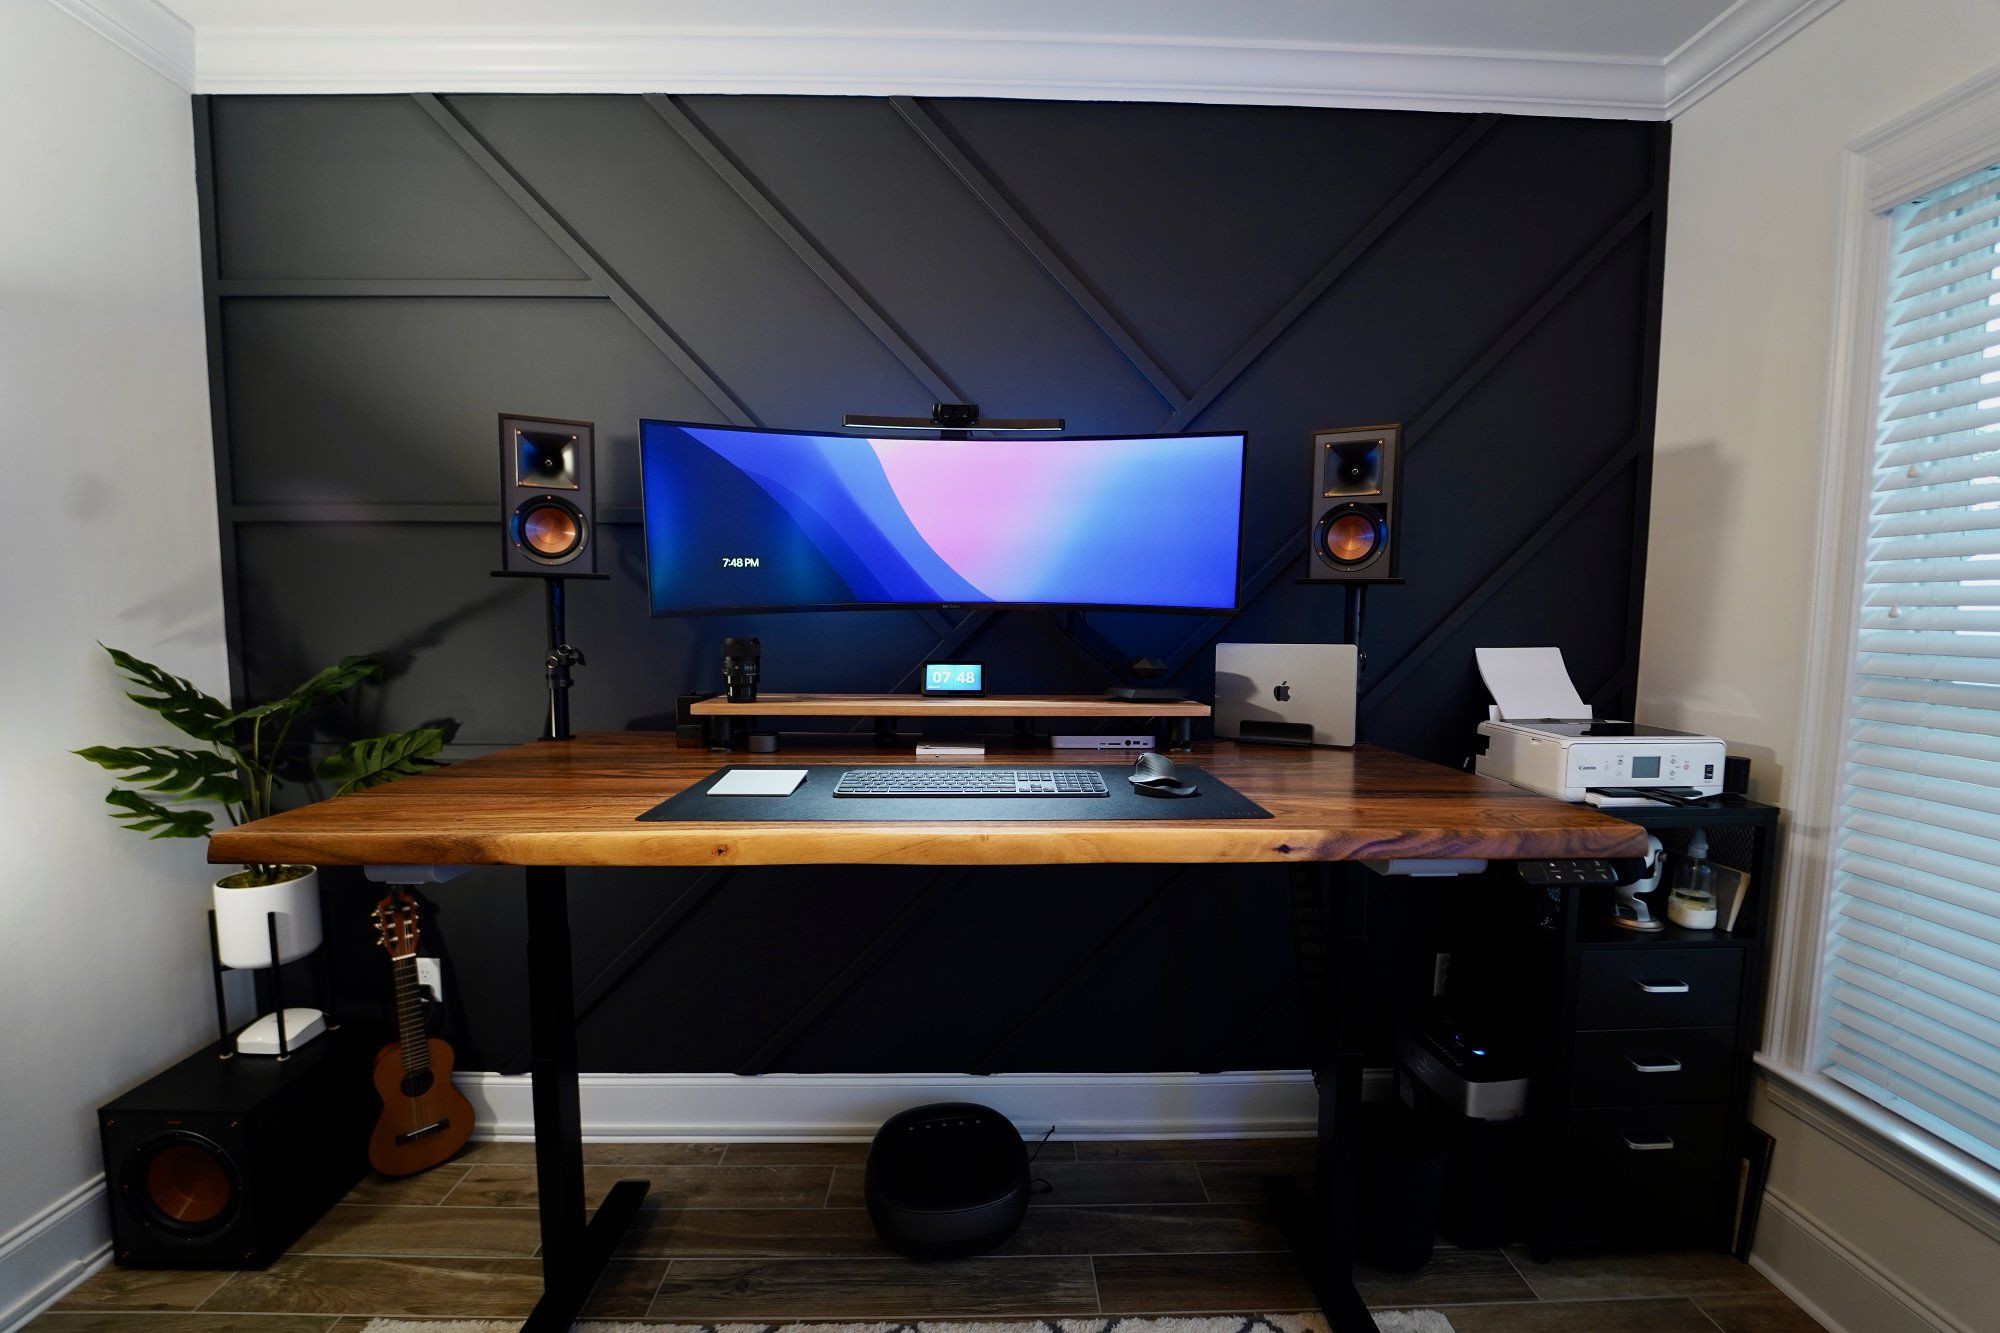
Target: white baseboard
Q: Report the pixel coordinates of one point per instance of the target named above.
(1835, 1283)
(53, 1251)
(853, 1106)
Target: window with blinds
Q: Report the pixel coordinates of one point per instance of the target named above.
(1911, 1010)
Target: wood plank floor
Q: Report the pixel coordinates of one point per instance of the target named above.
(773, 1231)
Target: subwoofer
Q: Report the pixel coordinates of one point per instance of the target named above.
(548, 496)
(1356, 504)
(222, 1163)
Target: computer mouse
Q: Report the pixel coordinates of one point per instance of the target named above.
(1156, 775)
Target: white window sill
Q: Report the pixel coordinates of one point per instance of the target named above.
(1955, 1181)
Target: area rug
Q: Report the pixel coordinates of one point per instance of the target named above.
(1386, 1321)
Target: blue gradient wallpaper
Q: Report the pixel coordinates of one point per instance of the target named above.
(748, 519)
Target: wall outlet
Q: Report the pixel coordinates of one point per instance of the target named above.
(430, 975)
(1440, 972)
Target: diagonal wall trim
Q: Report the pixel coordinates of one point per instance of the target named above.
(1330, 272)
(580, 254)
(664, 926)
(1545, 531)
(1288, 554)
(1558, 291)
(898, 928)
(1031, 238)
(1118, 936)
(809, 251)
(436, 384)
(514, 288)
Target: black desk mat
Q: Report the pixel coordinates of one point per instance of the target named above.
(814, 802)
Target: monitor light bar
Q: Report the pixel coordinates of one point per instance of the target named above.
(952, 416)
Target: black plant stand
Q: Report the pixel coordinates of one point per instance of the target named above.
(227, 1050)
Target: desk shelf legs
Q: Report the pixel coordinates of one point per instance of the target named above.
(573, 1251)
(1329, 923)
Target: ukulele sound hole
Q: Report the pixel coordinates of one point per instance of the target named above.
(417, 1084)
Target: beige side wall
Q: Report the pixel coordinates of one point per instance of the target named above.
(1752, 229)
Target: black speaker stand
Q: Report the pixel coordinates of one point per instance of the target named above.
(561, 655)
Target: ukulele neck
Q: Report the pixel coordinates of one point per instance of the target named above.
(410, 1017)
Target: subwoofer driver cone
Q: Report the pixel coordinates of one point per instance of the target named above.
(549, 529)
(185, 1186)
(1351, 535)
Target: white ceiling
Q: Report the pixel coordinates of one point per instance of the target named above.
(1643, 59)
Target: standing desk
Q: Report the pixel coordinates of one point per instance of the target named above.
(549, 805)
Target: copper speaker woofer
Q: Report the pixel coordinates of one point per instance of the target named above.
(185, 1185)
(549, 529)
(1351, 536)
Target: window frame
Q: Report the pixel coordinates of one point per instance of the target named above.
(1933, 146)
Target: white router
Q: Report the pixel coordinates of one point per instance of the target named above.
(261, 1037)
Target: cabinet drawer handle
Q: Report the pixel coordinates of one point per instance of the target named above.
(1654, 1064)
(1662, 986)
(1658, 1143)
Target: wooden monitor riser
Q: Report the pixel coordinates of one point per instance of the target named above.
(919, 705)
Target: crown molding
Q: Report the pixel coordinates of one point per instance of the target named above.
(941, 63)
(143, 29)
(1732, 42)
(922, 63)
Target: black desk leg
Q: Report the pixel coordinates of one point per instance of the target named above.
(1329, 923)
(573, 1252)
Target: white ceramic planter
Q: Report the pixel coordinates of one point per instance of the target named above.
(240, 920)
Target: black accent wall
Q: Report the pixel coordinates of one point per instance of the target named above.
(387, 274)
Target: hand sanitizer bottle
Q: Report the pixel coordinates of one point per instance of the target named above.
(1691, 902)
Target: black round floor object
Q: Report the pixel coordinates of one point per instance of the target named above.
(947, 1179)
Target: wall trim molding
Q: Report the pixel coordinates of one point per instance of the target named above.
(709, 1107)
(144, 29)
(1966, 1189)
(52, 1251)
(1929, 146)
(1732, 42)
(1815, 1303)
(924, 63)
(937, 62)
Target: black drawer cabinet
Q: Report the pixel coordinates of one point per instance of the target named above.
(1651, 1066)
(1659, 988)
(1640, 1045)
(1638, 1172)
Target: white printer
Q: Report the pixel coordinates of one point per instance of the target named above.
(1541, 736)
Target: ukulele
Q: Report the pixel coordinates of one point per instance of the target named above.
(424, 1118)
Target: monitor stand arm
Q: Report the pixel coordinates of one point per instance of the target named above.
(557, 665)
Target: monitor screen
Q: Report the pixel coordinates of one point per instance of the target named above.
(760, 520)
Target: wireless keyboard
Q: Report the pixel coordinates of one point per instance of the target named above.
(927, 781)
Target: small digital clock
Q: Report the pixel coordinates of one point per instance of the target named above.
(965, 679)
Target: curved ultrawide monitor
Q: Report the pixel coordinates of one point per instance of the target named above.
(761, 520)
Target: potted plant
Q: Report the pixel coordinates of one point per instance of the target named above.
(238, 768)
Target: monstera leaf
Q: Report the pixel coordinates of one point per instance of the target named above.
(189, 775)
(364, 764)
(141, 815)
(200, 715)
(326, 683)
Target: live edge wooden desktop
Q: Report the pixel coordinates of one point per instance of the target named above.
(553, 804)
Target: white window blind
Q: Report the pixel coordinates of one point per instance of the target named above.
(1911, 1009)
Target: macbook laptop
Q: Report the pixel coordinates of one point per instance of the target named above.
(1285, 693)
